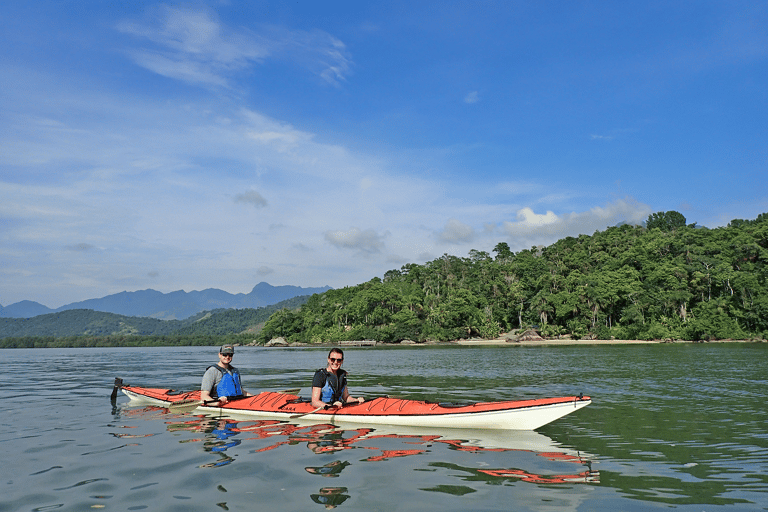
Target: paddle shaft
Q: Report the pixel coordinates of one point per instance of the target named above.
(305, 413)
(328, 406)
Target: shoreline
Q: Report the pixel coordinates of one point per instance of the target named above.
(477, 342)
(553, 342)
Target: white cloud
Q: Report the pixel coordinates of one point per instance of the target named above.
(456, 232)
(531, 228)
(366, 242)
(194, 46)
(527, 217)
(472, 97)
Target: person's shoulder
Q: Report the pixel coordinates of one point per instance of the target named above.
(318, 379)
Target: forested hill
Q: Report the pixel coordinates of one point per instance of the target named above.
(202, 328)
(667, 280)
(664, 280)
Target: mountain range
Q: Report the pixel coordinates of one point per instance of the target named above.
(176, 305)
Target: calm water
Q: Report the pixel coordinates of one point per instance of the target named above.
(681, 427)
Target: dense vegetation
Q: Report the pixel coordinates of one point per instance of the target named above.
(664, 280)
(667, 280)
(88, 328)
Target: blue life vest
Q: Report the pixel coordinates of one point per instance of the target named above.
(327, 393)
(229, 385)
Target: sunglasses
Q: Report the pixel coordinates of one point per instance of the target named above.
(336, 360)
(227, 355)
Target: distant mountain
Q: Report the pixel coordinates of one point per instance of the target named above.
(24, 309)
(86, 322)
(176, 305)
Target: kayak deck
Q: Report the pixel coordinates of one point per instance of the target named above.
(506, 415)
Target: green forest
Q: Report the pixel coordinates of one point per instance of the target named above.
(664, 280)
(667, 280)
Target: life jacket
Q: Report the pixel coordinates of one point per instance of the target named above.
(229, 385)
(329, 393)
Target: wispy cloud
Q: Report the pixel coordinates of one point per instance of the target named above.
(264, 271)
(251, 197)
(81, 247)
(194, 46)
(456, 232)
(365, 241)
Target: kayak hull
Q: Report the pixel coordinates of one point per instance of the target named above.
(506, 415)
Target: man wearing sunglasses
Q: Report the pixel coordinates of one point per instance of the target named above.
(329, 385)
(221, 381)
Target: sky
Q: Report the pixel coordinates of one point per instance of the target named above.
(219, 144)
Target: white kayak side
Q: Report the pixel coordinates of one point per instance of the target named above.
(516, 419)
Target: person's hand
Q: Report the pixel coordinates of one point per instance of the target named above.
(360, 400)
(223, 400)
(338, 404)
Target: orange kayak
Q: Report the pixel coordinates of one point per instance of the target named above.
(505, 415)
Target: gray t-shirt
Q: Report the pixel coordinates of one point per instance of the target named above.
(212, 377)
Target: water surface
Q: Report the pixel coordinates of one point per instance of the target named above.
(671, 427)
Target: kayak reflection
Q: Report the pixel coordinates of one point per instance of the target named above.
(385, 443)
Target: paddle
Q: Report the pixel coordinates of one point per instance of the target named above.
(323, 407)
(191, 405)
(187, 405)
(118, 385)
(305, 413)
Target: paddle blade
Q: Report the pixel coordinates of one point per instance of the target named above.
(118, 385)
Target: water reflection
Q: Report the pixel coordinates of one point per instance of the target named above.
(331, 469)
(331, 497)
(527, 457)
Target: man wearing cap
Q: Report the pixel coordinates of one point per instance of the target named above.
(221, 381)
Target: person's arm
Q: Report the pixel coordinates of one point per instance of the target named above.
(349, 398)
(316, 402)
(318, 381)
(208, 385)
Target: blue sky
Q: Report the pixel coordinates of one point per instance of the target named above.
(220, 144)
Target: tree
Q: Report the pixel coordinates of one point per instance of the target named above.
(665, 221)
(503, 252)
